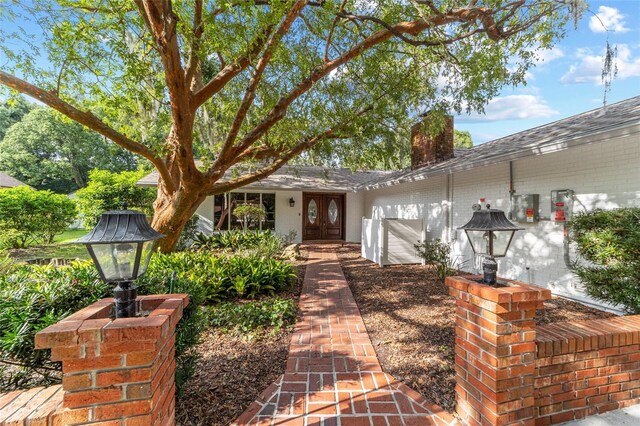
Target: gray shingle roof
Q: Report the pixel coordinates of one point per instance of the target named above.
(7, 181)
(302, 178)
(559, 135)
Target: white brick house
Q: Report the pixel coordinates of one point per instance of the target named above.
(596, 154)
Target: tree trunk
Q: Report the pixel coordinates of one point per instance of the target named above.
(171, 214)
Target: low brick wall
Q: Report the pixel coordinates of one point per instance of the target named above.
(114, 371)
(34, 407)
(511, 372)
(586, 367)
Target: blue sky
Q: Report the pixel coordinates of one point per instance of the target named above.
(568, 81)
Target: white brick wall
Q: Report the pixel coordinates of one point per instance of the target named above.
(603, 175)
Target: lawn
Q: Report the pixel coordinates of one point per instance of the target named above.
(63, 248)
(69, 235)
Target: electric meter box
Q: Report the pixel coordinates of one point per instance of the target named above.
(525, 208)
(561, 204)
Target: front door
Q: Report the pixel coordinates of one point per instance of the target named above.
(323, 216)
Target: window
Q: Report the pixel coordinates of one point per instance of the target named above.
(225, 204)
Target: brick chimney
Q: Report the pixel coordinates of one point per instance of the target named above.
(427, 149)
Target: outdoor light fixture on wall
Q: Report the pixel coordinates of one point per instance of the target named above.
(120, 246)
(490, 234)
(292, 202)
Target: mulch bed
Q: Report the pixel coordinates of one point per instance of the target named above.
(410, 318)
(233, 371)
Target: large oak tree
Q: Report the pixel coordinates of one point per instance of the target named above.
(250, 84)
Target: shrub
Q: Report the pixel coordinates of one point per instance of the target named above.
(254, 316)
(609, 240)
(32, 298)
(110, 191)
(224, 277)
(252, 243)
(437, 253)
(28, 216)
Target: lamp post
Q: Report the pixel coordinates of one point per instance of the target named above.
(490, 234)
(120, 246)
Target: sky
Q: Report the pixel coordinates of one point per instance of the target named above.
(568, 81)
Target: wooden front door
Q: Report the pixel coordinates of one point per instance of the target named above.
(322, 216)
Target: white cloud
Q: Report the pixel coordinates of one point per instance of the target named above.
(589, 69)
(608, 19)
(512, 107)
(548, 55)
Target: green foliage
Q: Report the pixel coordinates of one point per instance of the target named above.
(48, 151)
(252, 243)
(11, 111)
(462, 139)
(252, 317)
(32, 298)
(28, 216)
(223, 277)
(392, 79)
(438, 254)
(110, 191)
(609, 240)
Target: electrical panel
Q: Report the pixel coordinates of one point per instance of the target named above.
(525, 208)
(561, 204)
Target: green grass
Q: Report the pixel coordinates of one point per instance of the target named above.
(69, 235)
(61, 249)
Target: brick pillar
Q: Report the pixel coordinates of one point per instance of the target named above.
(495, 350)
(117, 371)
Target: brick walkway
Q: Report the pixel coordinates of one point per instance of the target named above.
(333, 376)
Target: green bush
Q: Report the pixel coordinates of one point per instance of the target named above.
(252, 316)
(110, 191)
(224, 277)
(437, 253)
(609, 240)
(252, 243)
(32, 298)
(28, 216)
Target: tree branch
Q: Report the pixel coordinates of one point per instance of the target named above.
(89, 120)
(250, 92)
(229, 71)
(198, 30)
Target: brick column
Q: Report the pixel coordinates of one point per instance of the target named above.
(117, 371)
(495, 350)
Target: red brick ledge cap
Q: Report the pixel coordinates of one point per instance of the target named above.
(588, 335)
(36, 406)
(515, 291)
(93, 323)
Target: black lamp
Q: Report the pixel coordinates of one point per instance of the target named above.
(120, 246)
(490, 234)
(292, 202)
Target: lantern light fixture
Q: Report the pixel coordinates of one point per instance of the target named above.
(121, 245)
(292, 202)
(490, 234)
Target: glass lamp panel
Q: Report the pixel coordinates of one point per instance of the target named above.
(116, 261)
(479, 241)
(147, 249)
(501, 240)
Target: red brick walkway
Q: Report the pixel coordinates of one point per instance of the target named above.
(333, 376)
